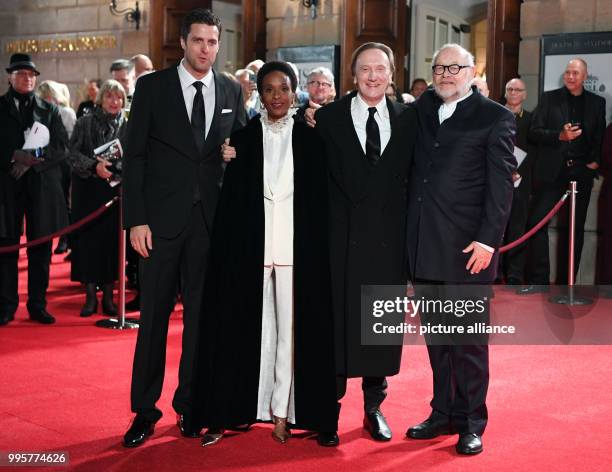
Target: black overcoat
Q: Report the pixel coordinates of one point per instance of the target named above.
(39, 190)
(230, 347)
(461, 186)
(367, 228)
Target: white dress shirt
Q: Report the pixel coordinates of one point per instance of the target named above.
(359, 114)
(445, 111)
(189, 91)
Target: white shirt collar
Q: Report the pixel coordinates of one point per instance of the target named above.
(187, 79)
(362, 107)
(446, 110)
(454, 102)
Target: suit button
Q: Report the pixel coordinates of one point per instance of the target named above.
(436, 145)
(352, 242)
(425, 181)
(419, 199)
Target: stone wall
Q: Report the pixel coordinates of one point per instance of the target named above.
(540, 17)
(69, 20)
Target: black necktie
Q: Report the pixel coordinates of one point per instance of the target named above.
(372, 138)
(198, 117)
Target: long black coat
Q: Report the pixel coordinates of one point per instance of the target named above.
(367, 228)
(229, 360)
(461, 187)
(547, 122)
(39, 189)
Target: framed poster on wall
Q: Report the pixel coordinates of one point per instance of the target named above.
(307, 58)
(594, 48)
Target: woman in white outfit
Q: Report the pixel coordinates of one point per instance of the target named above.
(266, 350)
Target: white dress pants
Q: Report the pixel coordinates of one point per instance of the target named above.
(276, 366)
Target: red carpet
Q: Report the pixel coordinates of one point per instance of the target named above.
(66, 388)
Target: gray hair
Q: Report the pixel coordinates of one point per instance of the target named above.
(324, 71)
(111, 86)
(468, 56)
(241, 72)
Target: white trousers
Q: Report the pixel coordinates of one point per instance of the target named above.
(276, 366)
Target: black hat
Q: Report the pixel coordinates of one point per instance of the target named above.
(21, 61)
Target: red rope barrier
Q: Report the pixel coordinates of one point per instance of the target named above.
(537, 227)
(66, 230)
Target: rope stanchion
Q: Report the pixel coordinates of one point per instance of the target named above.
(570, 298)
(66, 230)
(537, 227)
(121, 322)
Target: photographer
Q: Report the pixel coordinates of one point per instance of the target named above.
(94, 254)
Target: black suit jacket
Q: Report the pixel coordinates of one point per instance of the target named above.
(39, 189)
(367, 206)
(162, 165)
(461, 187)
(548, 120)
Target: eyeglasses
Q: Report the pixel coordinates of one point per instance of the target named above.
(453, 69)
(510, 89)
(316, 83)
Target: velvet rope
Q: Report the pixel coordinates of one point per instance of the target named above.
(537, 227)
(66, 230)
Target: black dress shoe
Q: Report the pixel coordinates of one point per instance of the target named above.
(469, 444)
(376, 424)
(186, 427)
(62, 246)
(328, 439)
(140, 430)
(42, 316)
(531, 289)
(429, 429)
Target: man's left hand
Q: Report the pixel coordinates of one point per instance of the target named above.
(480, 259)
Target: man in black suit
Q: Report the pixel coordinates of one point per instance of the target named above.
(369, 142)
(180, 117)
(514, 260)
(568, 126)
(461, 192)
(30, 186)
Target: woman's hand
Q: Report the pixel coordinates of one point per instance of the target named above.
(101, 169)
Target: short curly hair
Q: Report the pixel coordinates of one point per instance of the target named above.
(276, 66)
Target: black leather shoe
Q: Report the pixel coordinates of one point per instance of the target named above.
(6, 318)
(62, 246)
(186, 427)
(429, 429)
(328, 439)
(42, 316)
(140, 430)
(376, 424)
(531, 289)
(469, 444)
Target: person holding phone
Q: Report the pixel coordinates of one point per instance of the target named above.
(568, 127)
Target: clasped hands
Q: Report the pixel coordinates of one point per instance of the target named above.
(22, 161)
